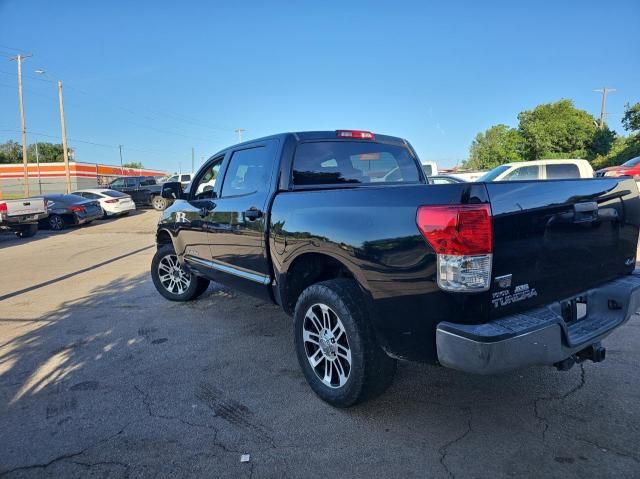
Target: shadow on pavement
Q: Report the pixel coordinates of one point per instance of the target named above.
(121, 381)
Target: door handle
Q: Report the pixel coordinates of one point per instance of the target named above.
(253, 213)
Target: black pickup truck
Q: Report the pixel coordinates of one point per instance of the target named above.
(342, 229)
(144, 191)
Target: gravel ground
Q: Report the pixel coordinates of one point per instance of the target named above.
(102, 377)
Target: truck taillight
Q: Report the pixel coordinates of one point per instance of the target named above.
(359, 134)
(4, 208)
(46, 204)
(462, 237)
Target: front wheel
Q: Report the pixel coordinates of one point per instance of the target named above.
(336, 345)
(172, 280)
(159, 203)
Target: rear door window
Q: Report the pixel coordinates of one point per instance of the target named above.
(562, 170)
(339, 162)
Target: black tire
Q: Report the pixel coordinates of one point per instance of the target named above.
(159, 203)
(187, 287)
(370, 371)
(27, 231)
(56, 222)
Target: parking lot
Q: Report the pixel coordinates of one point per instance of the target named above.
(102, 377)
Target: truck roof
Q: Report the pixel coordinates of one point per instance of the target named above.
(320, 135)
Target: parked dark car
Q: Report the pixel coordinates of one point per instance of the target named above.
(375, 266)
(66, 210)
(144, 190)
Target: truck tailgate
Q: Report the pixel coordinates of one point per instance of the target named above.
(555, 239)
(24, 207)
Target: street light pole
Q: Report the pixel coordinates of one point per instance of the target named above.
(23, 128)
(121, 167)
(65, 148)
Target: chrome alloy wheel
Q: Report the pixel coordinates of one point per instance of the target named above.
(326, 345)
(172, 276)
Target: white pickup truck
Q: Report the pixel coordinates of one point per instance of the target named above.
(22, 215)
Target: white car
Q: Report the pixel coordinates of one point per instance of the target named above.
(539, 170)
(112, 202)
(430, 168)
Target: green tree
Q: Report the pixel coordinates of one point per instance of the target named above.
(602, 142)
(499, 144)
(47, 152)
(10, 152)
(134, 164)
(631, 118)
(556, 130)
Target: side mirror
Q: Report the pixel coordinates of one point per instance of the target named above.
(172, 190)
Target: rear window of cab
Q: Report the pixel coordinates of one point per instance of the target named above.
(353, 162)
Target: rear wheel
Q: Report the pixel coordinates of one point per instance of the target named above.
(159, 203)
(27, 231)
(56, 222)
(172, 280)
(336, 345)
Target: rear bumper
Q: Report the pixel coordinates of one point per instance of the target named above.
(539, 336)
(86, 217)
(21, 219)
(119, 209)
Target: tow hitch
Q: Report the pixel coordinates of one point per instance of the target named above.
(596, 353)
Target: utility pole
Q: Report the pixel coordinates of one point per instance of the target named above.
(121, 167)
(603, 107)
(65, 147)
(239, 132)
(193, 159)
(19, 59)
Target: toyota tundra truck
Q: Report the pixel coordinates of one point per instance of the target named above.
(21, 216)
(344, 232)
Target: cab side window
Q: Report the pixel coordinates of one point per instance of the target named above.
(531, 172)
(562, 170)
(248, 172)
(207, 181)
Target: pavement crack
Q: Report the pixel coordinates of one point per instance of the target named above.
(147, 402)
(62, 457)
(444, 449)
(539, 400)
(625, 454)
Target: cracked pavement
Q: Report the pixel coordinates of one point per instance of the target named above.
(101, 377)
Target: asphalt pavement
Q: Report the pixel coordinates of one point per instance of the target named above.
(102, 377)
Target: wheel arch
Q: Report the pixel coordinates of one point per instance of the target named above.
(308, 268)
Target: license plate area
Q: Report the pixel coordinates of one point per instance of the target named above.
(574, 309)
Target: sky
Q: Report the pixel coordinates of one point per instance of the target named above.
(163, 77)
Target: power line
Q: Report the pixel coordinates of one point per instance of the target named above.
(12, 48)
